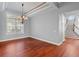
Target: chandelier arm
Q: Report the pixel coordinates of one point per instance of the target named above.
(22, 8)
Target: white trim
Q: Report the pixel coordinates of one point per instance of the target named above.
(13, 38)
(62, 26)
(3, 6)
(35, 38)
(48, 41)
(41, 8)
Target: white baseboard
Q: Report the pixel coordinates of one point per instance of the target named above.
(35, 38)
(13, 38)
(48, 41)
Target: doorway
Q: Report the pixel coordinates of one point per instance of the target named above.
(72, 25)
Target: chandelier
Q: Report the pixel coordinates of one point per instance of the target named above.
(22, 18)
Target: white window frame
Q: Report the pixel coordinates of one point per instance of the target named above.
(16, 23)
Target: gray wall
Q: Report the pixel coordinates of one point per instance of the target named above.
(2, 23)
(45, 25)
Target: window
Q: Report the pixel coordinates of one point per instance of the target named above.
(14, 26)
(76, 27)
(77, 21)
(71, 17)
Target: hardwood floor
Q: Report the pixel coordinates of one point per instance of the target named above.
(35, 48)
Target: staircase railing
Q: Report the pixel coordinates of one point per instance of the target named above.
(74, 26)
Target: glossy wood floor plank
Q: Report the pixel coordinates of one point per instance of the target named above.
(30, 47)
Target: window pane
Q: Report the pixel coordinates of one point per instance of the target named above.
(14, 26)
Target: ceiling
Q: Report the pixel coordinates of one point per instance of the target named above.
(16, 6)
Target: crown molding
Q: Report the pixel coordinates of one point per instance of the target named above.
(40, 8)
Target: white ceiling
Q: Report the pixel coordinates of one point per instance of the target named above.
(16, 6)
